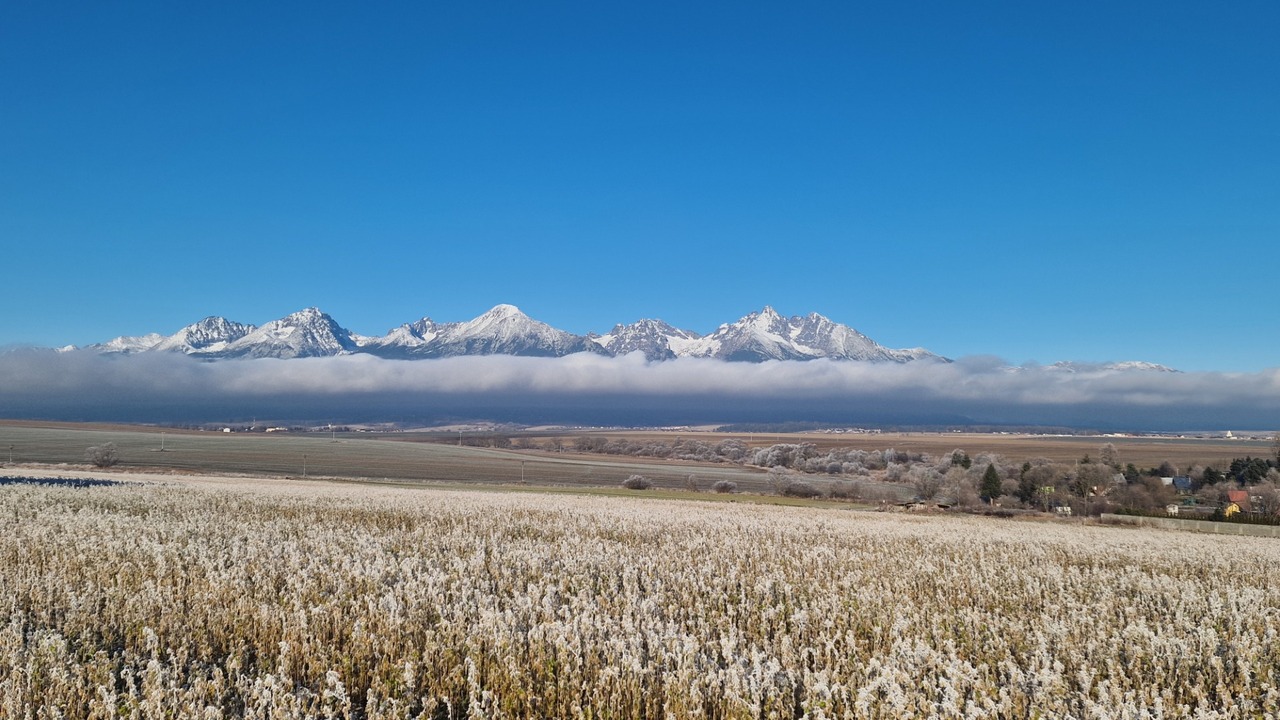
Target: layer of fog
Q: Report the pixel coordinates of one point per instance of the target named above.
(628, 390)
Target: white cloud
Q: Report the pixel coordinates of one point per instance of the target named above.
(983, 390)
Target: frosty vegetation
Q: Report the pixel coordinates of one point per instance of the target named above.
(1096, 483)
(265, 602)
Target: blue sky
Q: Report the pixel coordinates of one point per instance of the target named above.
(1029, 180)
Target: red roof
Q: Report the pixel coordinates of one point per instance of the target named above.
(1239, 497)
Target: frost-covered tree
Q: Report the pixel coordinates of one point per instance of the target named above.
(926, 481)
(1107, 455)
(102, 456)
(637, 482)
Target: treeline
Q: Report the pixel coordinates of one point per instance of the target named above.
(731, 451)
(58, 482)
(1093, 484)
(1097, 482)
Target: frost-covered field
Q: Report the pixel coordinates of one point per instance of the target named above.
(283, 601)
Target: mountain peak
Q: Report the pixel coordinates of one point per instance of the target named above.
(305, 333)
(309, 313)
(504, 330)
(656, 339)
(210, 335)
(767, 335)
(504, 311)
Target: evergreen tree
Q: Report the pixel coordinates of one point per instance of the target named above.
(990, 488)
(1027, 489)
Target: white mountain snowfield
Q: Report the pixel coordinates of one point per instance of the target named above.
(505, 330)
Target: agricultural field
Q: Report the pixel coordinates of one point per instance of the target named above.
(212, 597)
(356, 456)
(434, 457)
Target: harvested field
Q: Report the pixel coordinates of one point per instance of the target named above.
(263, 599)
(353, 456)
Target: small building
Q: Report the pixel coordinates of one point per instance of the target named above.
(1239, 498)
(1171, 508)
(1182, 484)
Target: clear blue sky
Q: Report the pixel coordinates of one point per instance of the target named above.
(1037, 181)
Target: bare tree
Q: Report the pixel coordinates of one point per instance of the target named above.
(637, 482)
(1107, 455)
(1265, 498)
(1091, 479)
(102, 456)
(801, 489)
(778, 479)
(926, 481)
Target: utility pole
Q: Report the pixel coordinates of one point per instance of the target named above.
(304, 464)
(522, 472)
(10, 454)
(161, 441)
(459, 438)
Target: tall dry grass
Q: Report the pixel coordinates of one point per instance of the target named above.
(181, 602)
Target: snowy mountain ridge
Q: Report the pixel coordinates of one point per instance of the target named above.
(766, 335)
(505, 330)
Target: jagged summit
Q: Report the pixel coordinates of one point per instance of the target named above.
(506, 330)
(209, 336)
(306, 333)
(767, 335)
(655, 338)
(406, 341)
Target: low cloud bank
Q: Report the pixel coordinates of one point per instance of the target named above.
(593, 389)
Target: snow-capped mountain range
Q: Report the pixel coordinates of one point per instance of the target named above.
(504, 330)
